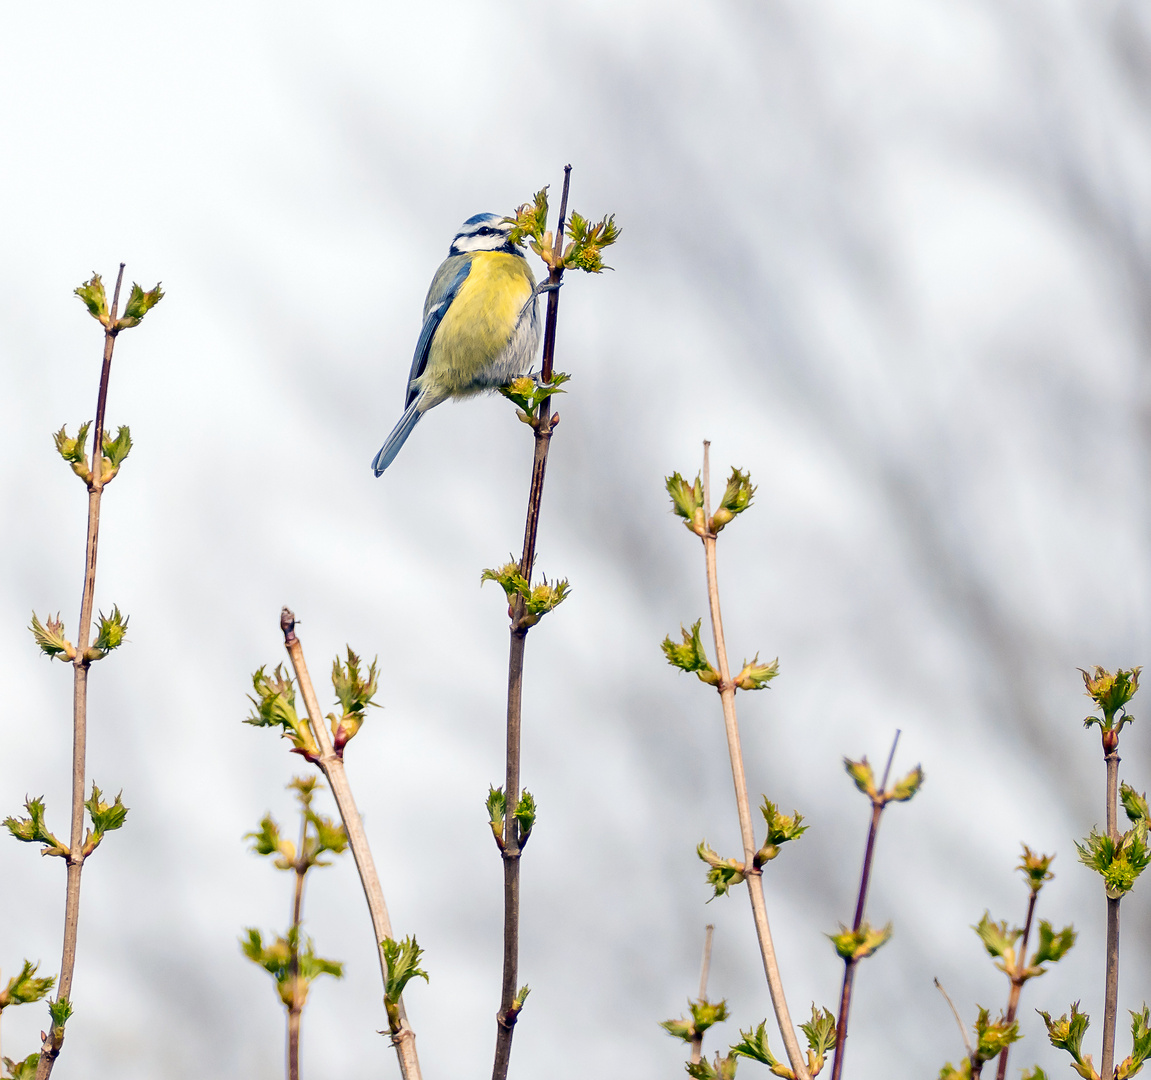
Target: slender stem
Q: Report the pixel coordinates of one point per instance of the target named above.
(958, 1020)
(294, 1013)
(544, 425)
(754, 876)
(849, 963)
(1017, 980)
(404, 1039)
(54, 1039)
(1111, 994)
(296, 1006)
(704, 969)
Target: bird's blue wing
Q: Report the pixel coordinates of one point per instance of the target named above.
(432, 320)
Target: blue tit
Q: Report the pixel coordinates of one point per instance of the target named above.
(481, 325)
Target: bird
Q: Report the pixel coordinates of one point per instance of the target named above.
(481, 325)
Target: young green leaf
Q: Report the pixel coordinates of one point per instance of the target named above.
(106, 817)
(275, 706)
(1052, 946)
(862, 775)
(736, 499)
(32, 829)
(1034, 1073)
(1035, 868)
(92, 293)
(525, 815)
(858, 944)
(1140, 1045)
(587, 243)
(355, 691)
(266, 840)
(139, 304)
(1134, 804)
(1119, 864)
(753, 1045)
(22, 1070)
(722, 873)
(780, 829)
(960, 1072)
(60, 1010)
(110, 632)
(51, 638)
(1111, 691)
(820, 1034)
(530, 221)
(25, 988)
(993, 1036)
(403, 958)
(704, 1014)
(687, 502)
(1067, 1034)
(722, 1068)
(497, 805)
(998, 940)
(72, 450)
(528, 392)
(691, 655)
(905, 787)
(756, 676)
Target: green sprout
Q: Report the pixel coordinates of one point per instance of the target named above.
(292, 962)
(1035, 868)
(402, 959)
(858, 944)
(820, 1034)
(756, 676)
(1119, 862)
(110, 631)
(525, 815)
(780, 829)
(704, 1014)
(139, 304)
(691, 655)
(721, 1069)
(115, 450)
(72, 450)
(722, 874)
(1111, 691)
(585, 252)
(21, 1070)
(497, 805)
(527, 393)
(92, 294)
(736, 499)
(754, 1045)
(536, 600)
(51, 637)
(275, 706)
(1140, 1045)
(33, 830)
(25, 988)
(354, 692)
(1067, 1033)
(530, 222)
(687, 502)
(106, 817)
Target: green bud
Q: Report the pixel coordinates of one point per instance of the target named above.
(736, 499)
(754, 1045)
(537, 600)
(402, 958)
(756, 676)
(60, 1010)
(325, 835)
(110, 633)
(998, 940)
(139, 304)
(355, 692)
(291, 961)
(106, 817)
(704, 1014)
(92, 293)
(521, 997)
(993, 1036)
(497, 805)
(51, 638)
(722, 873)
(115, 450)
(862, 775)
(525, 816)
(266, 840)
(33, 830)
(1119, 864)
(530, 221)
(1111, 691)
(859, 944)
(951, 1072)
(275, 706)
(1034, 1073)
(1052, 946)
(22, 1070)
(780, 829)
(25, 988)
(1140, 1045)
(528, 393)
(1067, 1034)
(906, 787)
(1134, 804)
(1034, 868)
(72, 450)
(721, 1069)
(687, 502)
(820, 1033)
(691, 655)
(587, 243)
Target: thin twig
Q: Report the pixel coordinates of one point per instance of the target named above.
(54, 1038)
(704, 969)
(958, 1020)
(1111, 993)
(332, 767)
(1017, 980)
(850, 962)
(295, 1006)
(545, 423)
(753, 874)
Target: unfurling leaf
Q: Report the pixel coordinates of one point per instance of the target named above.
(497, 805)
(721, 1069)
(1111, 691)
(25, 988)
(72, 450)
(110, 631)
(862, 775)
(906, 787)
(722, 874)
(687, 501)
(736, 499)
(1134, 804)
(525, 815)
(92, 293)
(1140, 1045)
(756, 676)
(820, 1034)
(22, 1070)
(704, 1014)
(530, 221)
(106, 818)
(993, 1036)
(51, 638)
(402, 958)
(780, 829)
(1052, 946)
(33, 830)
(691, 655)
(528, 392)
(537, 600)
(753, 1045)
(139, 304)
(587, 243)
(354, 692)
(1035, 868)
(998, 940)
(266, 840)
(1067, 1034)
(858, 944)
(275, 706)
(1119, 864)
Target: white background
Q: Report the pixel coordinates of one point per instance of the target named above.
(894, 258)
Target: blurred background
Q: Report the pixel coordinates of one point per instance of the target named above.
(893, 258)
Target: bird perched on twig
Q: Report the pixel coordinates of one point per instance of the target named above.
(481, 325)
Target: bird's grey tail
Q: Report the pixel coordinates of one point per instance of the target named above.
(396, 439)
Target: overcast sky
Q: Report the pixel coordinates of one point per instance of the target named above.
(893, 258)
